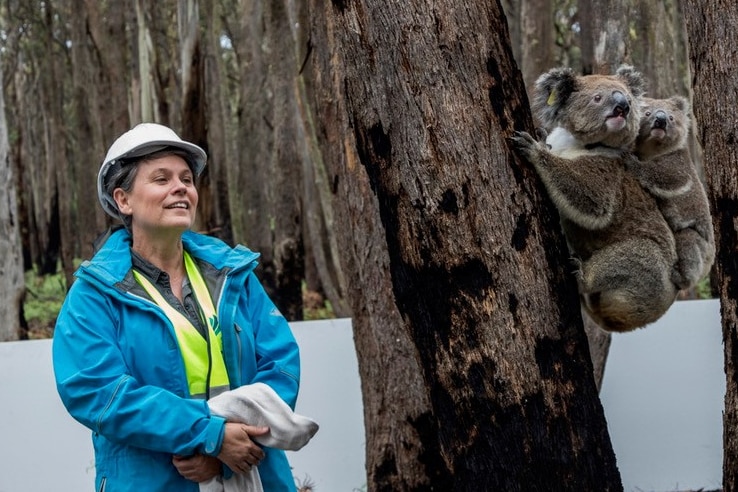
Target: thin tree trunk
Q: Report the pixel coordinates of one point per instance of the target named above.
(12, 284)
(605, 38)
(319, 214)
(475, 373)
(219, 223)
(55, 148)
(85, 154)
(249, 174)
(148, 95)
(538, 39)
(285, 161)
(715, 79)
(194, 102)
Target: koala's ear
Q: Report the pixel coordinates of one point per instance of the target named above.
(633, 78)
(552, 90)
(680, 103)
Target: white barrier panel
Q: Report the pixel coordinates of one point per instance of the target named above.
(662, 393)
(42, 448)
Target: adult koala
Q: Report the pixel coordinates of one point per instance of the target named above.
(620, 241)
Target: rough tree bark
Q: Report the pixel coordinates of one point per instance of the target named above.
(12, 284)
(715, 79)
(473, 360)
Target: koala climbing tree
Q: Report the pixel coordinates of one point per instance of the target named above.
(623, 248)
(665, 169)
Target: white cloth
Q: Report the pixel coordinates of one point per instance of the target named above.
(259, 405)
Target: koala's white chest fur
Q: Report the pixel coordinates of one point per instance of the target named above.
(562, 143)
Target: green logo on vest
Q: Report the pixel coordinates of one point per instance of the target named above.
(214, 324)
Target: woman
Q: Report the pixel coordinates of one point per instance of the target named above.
(160, 320)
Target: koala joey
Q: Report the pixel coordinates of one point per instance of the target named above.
(620, 241)
(665, 169)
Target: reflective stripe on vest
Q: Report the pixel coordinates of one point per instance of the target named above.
(202, 356)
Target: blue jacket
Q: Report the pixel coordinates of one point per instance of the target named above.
(119, 372)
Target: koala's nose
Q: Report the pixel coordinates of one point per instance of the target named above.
(622, 108)
(660, 119)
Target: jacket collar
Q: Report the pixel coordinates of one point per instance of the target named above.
(112, 262)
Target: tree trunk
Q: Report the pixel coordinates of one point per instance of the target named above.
(107, 30)
(219, 222)
(714, 61)
(86, 149)
(109, 47)
(144, 44)
(323, 269)
(266, 206)
(249, 175)
(538, 39)
(605, 38)
(55, 147)
(12, 284)
(286, 157)
(322, 242)
(472, 355)
(194, 104)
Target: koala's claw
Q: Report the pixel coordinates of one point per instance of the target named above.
(526, 145)
(523, 139)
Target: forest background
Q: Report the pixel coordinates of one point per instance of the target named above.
(231, 77)
(360, 147)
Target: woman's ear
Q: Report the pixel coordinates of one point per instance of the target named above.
(121, 199)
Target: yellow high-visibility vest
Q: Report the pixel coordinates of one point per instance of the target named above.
(202, 355)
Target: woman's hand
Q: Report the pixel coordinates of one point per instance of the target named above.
(238, 451)
(198, 467)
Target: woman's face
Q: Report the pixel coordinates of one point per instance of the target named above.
(163, 196)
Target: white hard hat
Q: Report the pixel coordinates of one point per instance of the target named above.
(141, 140)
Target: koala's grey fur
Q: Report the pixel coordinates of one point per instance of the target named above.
(666, 170)
(622, 244)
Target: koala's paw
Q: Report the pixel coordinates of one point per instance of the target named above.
(526, 146)
(680, 280)
(577, 269)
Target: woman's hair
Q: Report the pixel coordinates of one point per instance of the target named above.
(123, 173)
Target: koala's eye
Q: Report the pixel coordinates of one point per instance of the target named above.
(597, 98)
(648, 113)
(671, 118)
